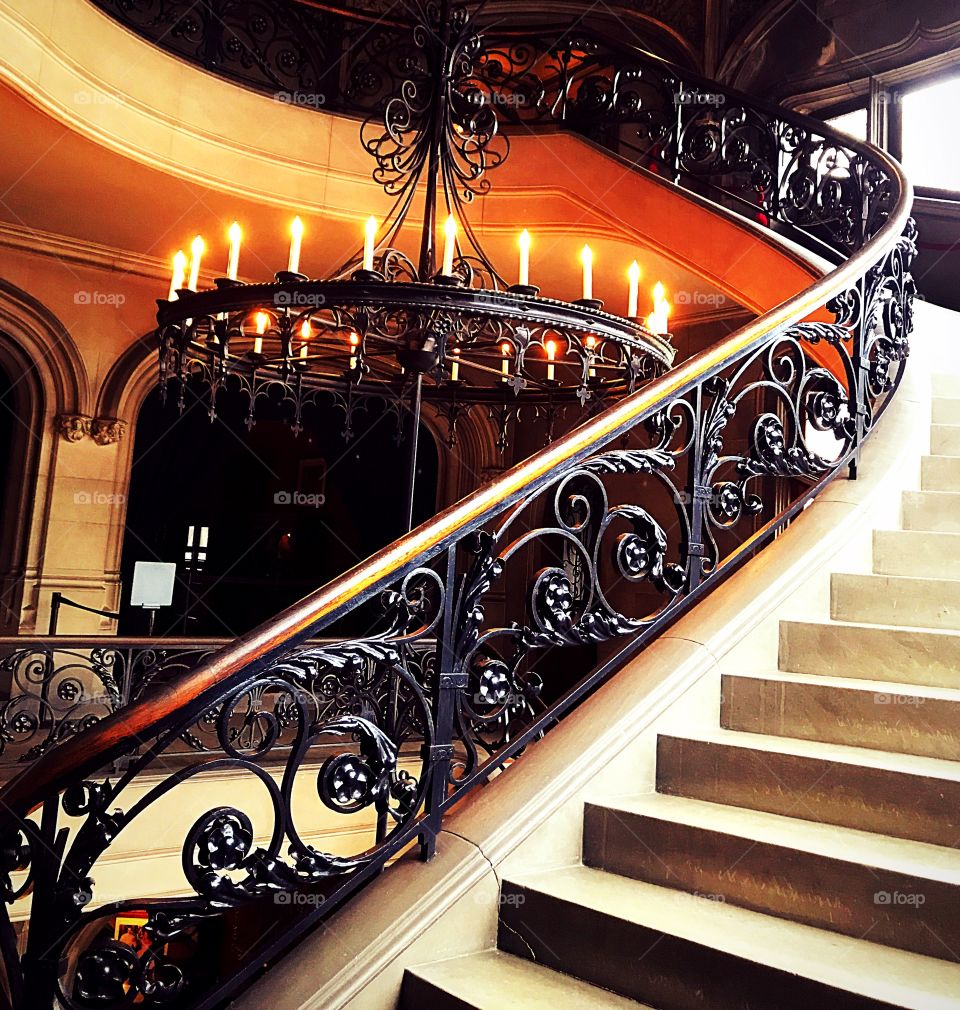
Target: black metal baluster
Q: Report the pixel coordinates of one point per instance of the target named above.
(41, 960)
(859, 355)
(697, 491)
(449, 680)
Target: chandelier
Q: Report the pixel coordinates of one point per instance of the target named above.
(440, 326)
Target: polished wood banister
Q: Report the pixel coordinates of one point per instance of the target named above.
(83, 754)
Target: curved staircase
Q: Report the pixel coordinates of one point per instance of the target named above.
(802, 853)
(753, 877)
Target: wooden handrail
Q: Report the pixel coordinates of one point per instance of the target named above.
(93, 749)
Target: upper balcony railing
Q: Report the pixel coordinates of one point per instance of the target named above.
(573, 559)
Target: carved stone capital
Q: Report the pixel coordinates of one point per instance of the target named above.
(103, 430)
(73, 427)
(107, 430)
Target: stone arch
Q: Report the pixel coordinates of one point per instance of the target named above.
(49, 380)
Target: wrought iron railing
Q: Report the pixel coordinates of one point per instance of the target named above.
(57, 687)
(590, 548)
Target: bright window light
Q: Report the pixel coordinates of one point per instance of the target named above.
(853, 124)
(931, 148)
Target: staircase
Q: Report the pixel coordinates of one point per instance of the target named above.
(804, 852)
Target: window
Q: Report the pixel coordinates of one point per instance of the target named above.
(853, 124)
(930, 144)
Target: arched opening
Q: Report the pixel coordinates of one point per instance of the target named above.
(8, 468)
(255, 520)
(20, 410)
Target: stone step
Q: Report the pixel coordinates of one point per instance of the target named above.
(884, 716)
(916, 553)
(945, 410)
(653, 945)
(940, 473)
(494, 980)
(946, 384)
(902, 795)
(936, 511)
(923, 657)
(896, 600)
(945, 439)
(904, 894)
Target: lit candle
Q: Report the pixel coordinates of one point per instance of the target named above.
(306, 332)
(263, 321)
(296, 243)
(449, 244)
(455, 367)
(233, 261)
(586, 258)
(369, 240)
(197, 247)
(524, 273)
(551, 354)
(658, 320)
(505, 363)
(179, 274)
(591, 343)
(354, 342)
(633, 301)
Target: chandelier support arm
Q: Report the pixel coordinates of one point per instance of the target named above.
(428, 265)
(415, 410)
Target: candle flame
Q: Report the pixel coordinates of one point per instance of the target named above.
(659, 292)
(634, 271)
(551, 346)
(179, 277)
(591, 341)
(586, 256)
(505, 349)
(371, 226)
(262, 321)
(197, 247)
(354, 339)
(235, 233)
(306, 330)
(524, 240)
(296, 228)
(450, 227)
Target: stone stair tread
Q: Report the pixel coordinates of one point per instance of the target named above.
(940, 473)
(917, 554)
(869, 625)
(911, 764)
(493, 979)
(870, 970)
(944, 496)
(949, 632)
(945, 440)
(913, 601)
(864, 848)
(880, 579)
(859, 684)
(949, 541)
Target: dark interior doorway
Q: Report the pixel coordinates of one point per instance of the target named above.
(282, 513)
